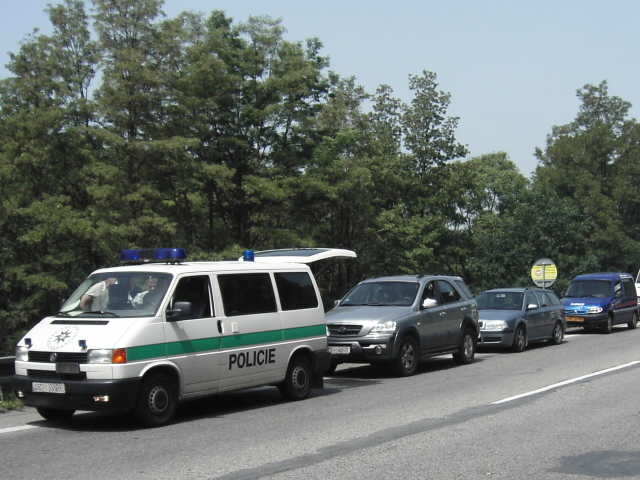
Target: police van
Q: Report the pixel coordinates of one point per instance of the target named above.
(158, 329)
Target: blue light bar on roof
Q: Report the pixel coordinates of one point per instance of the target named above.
(153, 255)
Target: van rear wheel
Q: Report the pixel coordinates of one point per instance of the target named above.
(297, 383)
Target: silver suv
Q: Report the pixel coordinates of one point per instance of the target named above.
(400, 320)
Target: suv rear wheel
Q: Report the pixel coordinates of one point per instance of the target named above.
(406, 363)
(467, 351)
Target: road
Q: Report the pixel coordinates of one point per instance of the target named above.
(556, 412)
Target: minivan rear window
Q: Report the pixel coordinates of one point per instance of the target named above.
(296, 290)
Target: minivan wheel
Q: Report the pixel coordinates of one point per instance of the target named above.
(634, 321)
(406, 363)
(557, 335)
(607, 328)
(519, 340)
(467, 351)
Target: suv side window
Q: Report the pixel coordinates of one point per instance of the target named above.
(295, 290)
(196, 290)
(247, 293)
(447, 292)
(429, 292)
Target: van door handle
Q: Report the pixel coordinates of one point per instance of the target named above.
(220, 327)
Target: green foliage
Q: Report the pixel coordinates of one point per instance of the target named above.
(219, 137)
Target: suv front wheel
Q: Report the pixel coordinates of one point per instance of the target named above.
(467, 351)
(407, 361)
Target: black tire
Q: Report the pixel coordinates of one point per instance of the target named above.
(634, 321)
(519, 340)
(297, 384)
(53, 414)
(608, 326)
(157, 401)
(406, 363)
(467, 351)
(557, 335)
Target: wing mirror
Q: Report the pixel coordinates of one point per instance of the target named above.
(429, 303)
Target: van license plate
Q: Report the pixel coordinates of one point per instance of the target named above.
(340, 350)
(575, 319)
(38, 387)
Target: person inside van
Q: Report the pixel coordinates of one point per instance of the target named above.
(151, 283)
(96, 298)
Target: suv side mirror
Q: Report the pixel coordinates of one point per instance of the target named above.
(429, 303)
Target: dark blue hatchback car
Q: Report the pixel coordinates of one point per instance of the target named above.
(601, 300)
(514, 317)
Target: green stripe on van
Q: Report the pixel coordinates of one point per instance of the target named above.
(160, 350)
(304, 332)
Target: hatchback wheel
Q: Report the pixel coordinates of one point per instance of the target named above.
(519, 340)
(467, 350)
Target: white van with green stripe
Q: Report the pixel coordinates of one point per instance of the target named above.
(144, 336)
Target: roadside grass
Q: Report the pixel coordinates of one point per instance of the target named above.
(8, 401)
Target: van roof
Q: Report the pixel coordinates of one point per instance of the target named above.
(221, 266)
(603, 276)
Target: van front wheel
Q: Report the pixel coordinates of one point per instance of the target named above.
(634, 321)
(297, 383)
(157, 401)
(54, 414)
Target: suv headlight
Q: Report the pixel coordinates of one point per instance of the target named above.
(384, 327)
(494, 325)
(22, 354)
(594, 310)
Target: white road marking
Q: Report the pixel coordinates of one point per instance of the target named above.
(16, 429)
(566, 382)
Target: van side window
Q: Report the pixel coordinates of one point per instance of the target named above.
(195, 290)
(629, 287)
(247, 293)
(296, 290)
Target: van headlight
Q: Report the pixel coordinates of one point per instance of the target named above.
(494, 325)
(594, 310)
(107, 355)
(384, 327)
(22, 354)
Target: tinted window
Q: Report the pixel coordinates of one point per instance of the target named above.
(296, 291)
(196, 291)
(247, 293)
(544, 299)
(447, 292)
(629, 287)
(553, 298)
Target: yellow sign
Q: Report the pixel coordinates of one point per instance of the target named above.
(544, 272)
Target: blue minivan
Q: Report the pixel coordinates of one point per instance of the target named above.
(601, 300)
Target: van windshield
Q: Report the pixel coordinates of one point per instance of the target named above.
(115, 294)
(590, 288)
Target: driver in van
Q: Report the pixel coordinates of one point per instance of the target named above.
(150, 284)
(96, 298)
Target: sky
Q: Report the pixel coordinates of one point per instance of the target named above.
(512, 67)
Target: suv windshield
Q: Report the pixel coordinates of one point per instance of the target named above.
(130, 294)
(589, 288)
(382, 294)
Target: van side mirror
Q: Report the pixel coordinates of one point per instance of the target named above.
(180, 309)
(429, 303)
